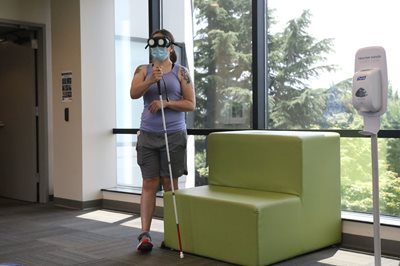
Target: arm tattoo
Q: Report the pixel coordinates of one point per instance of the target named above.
(138, 69)
(185, 75)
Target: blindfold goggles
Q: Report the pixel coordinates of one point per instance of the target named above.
(158, 42)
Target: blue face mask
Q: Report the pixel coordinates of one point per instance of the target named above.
(159, 53)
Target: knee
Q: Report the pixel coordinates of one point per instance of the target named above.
(151, 184)
(167, 184)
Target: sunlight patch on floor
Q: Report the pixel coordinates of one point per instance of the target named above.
(105, 216)
(156, 225)
(343, 257)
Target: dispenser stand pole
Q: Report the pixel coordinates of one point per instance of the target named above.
(375, 198)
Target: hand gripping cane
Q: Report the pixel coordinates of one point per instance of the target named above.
(170, 171)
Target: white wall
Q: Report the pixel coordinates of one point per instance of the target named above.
(98, 97)
(66, 50)
(83, 42)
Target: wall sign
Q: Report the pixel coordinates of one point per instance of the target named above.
(66, 86)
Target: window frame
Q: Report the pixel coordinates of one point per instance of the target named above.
(259, 84)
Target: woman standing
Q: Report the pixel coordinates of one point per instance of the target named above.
(178, 97)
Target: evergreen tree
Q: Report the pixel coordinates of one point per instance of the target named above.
(391, 120)
(295, 57)
(339, 112)
(222, 58)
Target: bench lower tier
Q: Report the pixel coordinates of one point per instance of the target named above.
(241, 226)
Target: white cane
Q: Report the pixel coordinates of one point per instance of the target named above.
(170, 171)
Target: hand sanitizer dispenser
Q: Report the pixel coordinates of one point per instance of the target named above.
(369, 98)
(367, 91)
(370, 83)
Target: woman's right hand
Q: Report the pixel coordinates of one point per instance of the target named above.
(157, 73)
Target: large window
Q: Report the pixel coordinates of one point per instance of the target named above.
(312, 48)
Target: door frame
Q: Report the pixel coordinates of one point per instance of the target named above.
(42, 99)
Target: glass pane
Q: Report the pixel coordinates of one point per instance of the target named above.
(128, 171)
(223, 59)
(356, 175)
(311, 52)
(177, 18)
(201, 165)
(129, 53)
(130, 40)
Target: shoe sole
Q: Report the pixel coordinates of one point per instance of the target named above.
(145, 246)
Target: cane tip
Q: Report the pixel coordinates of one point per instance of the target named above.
(181, 255)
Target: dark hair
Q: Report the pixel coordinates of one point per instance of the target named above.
(167, 34)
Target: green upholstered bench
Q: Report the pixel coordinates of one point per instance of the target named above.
(271, 195)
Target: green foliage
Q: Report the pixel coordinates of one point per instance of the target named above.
(304, 110)
(390, 194)
(356, 177)
(200, 160)
(201, 166)
(391, 120)
(355, 158)
(356, 196)
(393, 155)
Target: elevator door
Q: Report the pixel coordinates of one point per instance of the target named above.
(18, 144)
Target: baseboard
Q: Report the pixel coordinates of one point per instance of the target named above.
(359, 235)
(366, 244)
(128, 201)
(132, 207)
(75, 204)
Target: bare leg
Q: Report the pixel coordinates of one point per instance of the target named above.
(166, 183)
(148, 201)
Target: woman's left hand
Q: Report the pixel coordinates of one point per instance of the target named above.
(155, 105)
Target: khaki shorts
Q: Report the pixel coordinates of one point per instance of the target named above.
(152, 154)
